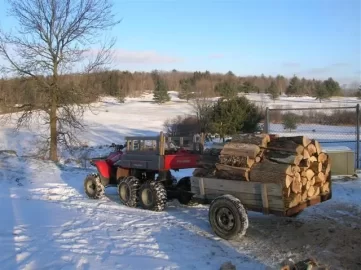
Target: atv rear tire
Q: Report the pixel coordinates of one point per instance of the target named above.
(184, 184)
(228, 217)
(127, 190)
(93, 187)
(152, 196)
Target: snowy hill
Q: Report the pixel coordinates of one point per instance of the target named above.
(48, 222)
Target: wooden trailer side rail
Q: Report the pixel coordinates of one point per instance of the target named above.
(255, 196)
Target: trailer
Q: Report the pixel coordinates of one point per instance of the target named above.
(230, 200)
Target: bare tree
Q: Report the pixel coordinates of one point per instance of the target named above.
(201, 107)
(55, 37)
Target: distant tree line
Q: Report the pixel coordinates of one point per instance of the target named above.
(121, 84)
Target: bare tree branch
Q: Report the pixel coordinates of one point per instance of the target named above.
(55, 37)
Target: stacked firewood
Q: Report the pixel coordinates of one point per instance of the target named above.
(298, 163)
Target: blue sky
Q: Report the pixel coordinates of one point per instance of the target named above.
(310, 38)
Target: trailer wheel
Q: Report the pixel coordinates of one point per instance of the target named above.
(152, 196)
(93, 187)
(127, 190)
(228, 217)
(184, 184)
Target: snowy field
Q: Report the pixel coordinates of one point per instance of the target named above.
(48, 222)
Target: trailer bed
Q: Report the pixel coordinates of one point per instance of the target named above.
(255, 196)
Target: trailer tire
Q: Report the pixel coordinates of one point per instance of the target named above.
(128, 191)
(93, 187)
(152, 196)
(184, 184)
(228, 217)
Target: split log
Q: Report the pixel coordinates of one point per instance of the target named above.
(285, 146)
(318, 146)
(311, 148)
(320, 178)
(293, 200)
(304, 195)
(240, 149)
(236, 161)
(258, 139)
(235, 173)
(296, 186)
(322, 157)
(325, 188)
(270, 172)
(317, 191)
(313, 159)
(316, 167)
(302, 140)
(312, 181)
(306, 154)
(311, 191)
(285, 158)
(326, 169)
(305, 163)
(289, 179)
(309, 174)
(260, 155)
(308, 184)
(295, 169)
(304, 181)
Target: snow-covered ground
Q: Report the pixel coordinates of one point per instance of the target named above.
(47, 222)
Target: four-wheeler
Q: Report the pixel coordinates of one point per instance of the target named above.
(141, 170)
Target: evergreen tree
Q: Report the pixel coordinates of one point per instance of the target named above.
(187, 88)
(321, 92)
(290, 121)
(332, 87)
(160, 93)
(248, 87)
(226, 89)
(273, 91)
(234, 115)
(293, 87)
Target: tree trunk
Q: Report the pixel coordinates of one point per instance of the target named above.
(53, 114)
(53, 128)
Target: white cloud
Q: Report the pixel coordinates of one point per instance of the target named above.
(143, 57)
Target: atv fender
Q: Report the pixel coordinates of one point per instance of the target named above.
(103, 170)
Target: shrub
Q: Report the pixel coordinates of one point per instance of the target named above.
(290, 121)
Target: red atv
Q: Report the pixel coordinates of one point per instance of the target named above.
(142, 172)
(95, 183)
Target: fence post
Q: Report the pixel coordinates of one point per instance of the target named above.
(358, 136)
(266, 126)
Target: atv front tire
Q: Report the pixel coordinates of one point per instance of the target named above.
(152, 196)
(93, 187)
(127, 190)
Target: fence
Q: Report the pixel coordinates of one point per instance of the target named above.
(331, 126)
